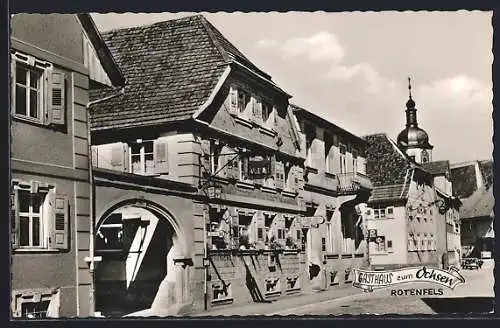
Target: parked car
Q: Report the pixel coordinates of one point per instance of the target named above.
(472, 263)
(486, 255)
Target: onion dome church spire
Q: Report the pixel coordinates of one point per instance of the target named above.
(414, 140)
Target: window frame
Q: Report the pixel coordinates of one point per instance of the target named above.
(22, 297)
(41, 67)
(142, 156)
(243, 112)
(342, 158)
(30, 215)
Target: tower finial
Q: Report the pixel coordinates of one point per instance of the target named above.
(409, 86)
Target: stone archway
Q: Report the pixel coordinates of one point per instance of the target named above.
(139, 243)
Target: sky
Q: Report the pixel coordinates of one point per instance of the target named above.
(352, 68)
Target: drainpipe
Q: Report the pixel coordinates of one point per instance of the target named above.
(92, 258)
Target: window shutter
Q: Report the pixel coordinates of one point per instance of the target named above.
(229, 166)
(14, 218)
(205, 147)
(233, 101)
(291, 178)
(257, 110)
(126, 157)
(60, 225)
(279, 170)
(56, 99)
(95, 155)
(236, 167)
(244, 167)
(13, 84)
(118, 157)
(161, 156)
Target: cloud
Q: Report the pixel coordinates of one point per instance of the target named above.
(459, 92)
(374, 81)
(266, 43)
(318, 47)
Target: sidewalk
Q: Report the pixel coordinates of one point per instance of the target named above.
(284, 303)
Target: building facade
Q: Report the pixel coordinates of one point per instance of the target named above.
(55, 60)
(448, 214)
(335, 183)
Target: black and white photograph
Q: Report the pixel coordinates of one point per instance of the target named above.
(196, 164)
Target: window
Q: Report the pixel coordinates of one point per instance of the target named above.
(30, 219)
(389, 245)
(39, 217)
(35, 310)
(243, 100)
(281, 234)
(142, 157)
(382, 213)
(390, 212)
(376, 213)
(298, 234)
(343, 166)
(425, 156)
(37, 90)
(323, 244)
(260, 233)
(28, 91)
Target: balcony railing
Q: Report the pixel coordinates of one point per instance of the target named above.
(352, 182)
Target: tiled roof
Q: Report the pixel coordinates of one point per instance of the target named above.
(385, 165)
(437, 167)
(171, 67)
(464, 180)
(389, 193)
(480, 204)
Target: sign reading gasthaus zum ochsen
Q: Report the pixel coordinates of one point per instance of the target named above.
(369, 280)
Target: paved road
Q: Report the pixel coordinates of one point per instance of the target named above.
(474, 296)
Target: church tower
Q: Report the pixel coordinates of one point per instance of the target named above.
(414, 140)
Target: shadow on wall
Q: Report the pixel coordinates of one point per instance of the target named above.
(461, 305)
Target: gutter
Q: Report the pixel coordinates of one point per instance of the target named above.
(92, 259)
